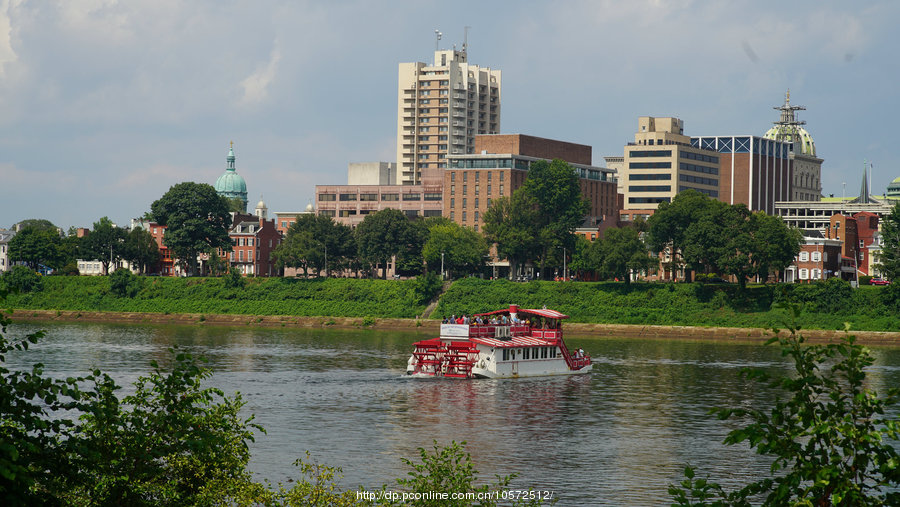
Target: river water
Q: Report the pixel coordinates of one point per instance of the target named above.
(618, 436)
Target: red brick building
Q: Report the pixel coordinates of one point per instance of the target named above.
(500, 166)
(253, 239)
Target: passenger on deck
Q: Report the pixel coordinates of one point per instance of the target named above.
(503, 320)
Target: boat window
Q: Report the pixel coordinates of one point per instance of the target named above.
(505, 355)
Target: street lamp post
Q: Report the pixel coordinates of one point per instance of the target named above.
(442, 265)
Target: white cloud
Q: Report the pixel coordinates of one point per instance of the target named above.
(256, 85)
(7, 54)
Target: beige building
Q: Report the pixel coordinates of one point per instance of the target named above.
(440, 109)
(661, 163)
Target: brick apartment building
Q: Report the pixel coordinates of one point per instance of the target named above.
(500, 166)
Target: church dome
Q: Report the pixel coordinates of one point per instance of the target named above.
(231, 184)
(310, 209)
(793, 135)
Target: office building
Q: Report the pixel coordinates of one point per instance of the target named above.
(500, 166)
(441, 107)
(753, 170)
(660, 163)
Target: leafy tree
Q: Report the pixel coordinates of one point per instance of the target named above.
(509, 223)
(141, 250)
(124, 284)
(36, 247)
(171, 442)
(236, 205)
(313, 239)
(889, 260)
(449, 470)
(381, 236)
(623, 251)
(197, 221)
(777, 245)
(31, 451)
(555, 190)
(830, 439)
(22, 279)
(37, 223)
(462, 248)
(583, 260)
(106, 243)
(669, 224)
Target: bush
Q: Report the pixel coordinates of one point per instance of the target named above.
(829, 437)
(22, 279)
(234, 280)
(123, 283)
(70, 269)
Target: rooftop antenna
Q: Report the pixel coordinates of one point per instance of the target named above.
(465, 46)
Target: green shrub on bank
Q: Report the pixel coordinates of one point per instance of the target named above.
(258, 296)
(826, 305)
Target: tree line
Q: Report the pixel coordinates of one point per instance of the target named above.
(535, 225)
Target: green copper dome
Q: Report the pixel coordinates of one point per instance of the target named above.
(789, 129)
(893, 189)
(793, 135)
(231, 184)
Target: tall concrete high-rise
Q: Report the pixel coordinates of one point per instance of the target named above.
(440, 108)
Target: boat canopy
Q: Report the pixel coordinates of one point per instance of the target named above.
(543, 312)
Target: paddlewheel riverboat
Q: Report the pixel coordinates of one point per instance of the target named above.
(512, 342)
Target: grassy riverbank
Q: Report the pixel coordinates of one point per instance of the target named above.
(824, 306)
(258, 296)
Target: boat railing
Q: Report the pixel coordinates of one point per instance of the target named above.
(499, 331)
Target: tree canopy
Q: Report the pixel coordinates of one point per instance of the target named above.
(381, 236)
(105, 242)
(313, 239)
(462, 248)
(38, 246)
(140, 249)
(889, 260)
(196, 219)
(555, 191)
(509, 223)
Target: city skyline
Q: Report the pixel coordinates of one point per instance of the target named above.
(106, 106)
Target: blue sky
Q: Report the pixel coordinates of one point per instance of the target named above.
(105, 104)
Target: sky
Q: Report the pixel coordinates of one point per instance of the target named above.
(106, 104)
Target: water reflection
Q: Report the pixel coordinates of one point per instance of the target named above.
(617, 436)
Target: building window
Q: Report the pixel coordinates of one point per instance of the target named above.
(464, 202)
(368, 197)
(412, 197)
(804, 274)
(476, 202)
(325, 197)
(465, 176)
(489, 186)
(464, 214)
(452, 202)
(348, 197)
(390, 197)
(453, 176)
(465, 188)
(477, 187)
(451, 214)
(452, 189)
(816, 256)
(476, 216)
(804, 256)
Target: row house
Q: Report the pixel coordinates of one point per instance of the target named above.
(253, 240)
